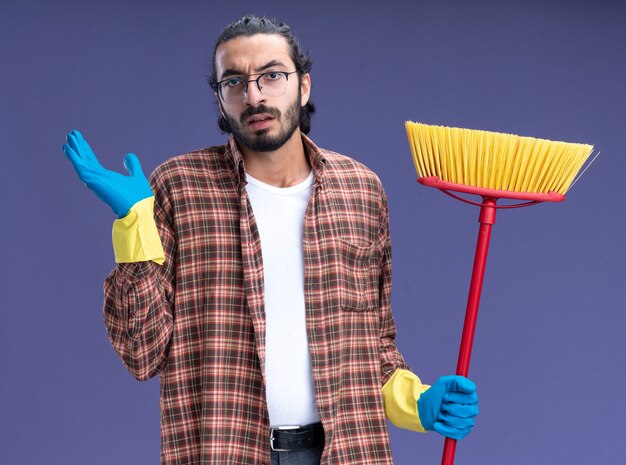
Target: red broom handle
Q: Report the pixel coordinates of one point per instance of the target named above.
(486, 219)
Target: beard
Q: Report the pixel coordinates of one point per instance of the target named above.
(261, 141)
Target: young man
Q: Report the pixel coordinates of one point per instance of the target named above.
(255, 279)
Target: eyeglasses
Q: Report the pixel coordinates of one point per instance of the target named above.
(270, 84)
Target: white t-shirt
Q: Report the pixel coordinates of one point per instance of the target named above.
(279, 214)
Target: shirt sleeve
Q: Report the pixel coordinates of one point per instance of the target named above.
(400, 387)
(390, 357)
(139, 292)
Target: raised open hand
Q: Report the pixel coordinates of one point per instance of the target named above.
(118, 191)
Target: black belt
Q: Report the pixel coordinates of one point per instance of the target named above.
(285, 438)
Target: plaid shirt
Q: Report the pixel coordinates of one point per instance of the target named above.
(198, 320)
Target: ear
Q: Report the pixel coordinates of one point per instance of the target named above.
(219, 103)
(305, 89)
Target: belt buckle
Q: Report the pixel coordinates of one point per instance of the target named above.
(272, 436)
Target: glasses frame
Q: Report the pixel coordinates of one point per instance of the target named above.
(218, 88)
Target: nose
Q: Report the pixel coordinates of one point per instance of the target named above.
(253, 95)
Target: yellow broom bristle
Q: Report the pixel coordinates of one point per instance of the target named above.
(495, 160)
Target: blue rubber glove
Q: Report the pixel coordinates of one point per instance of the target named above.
(449, 406)
(120, 192)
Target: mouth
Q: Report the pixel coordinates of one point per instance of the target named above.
(260, 121)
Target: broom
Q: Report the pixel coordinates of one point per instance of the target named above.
(494, 166)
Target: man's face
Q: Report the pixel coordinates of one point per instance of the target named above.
(259, 122)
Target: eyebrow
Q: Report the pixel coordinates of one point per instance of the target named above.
(236, 72)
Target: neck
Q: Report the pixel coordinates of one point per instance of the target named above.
(284, 167)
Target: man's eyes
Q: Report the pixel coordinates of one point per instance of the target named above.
(234, 82)
(271, 76)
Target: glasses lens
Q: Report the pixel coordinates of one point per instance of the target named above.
(273, 84)
(232, 90)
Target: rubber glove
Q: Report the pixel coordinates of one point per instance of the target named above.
(119, 191)
(449, 406)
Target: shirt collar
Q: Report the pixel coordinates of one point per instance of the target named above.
(316, 159)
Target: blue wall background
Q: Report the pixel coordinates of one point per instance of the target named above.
(549, 351)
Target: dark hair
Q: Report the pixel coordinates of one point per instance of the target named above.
(250, 25)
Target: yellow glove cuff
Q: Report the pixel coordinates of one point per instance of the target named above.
(400, 396)
(135, 236)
